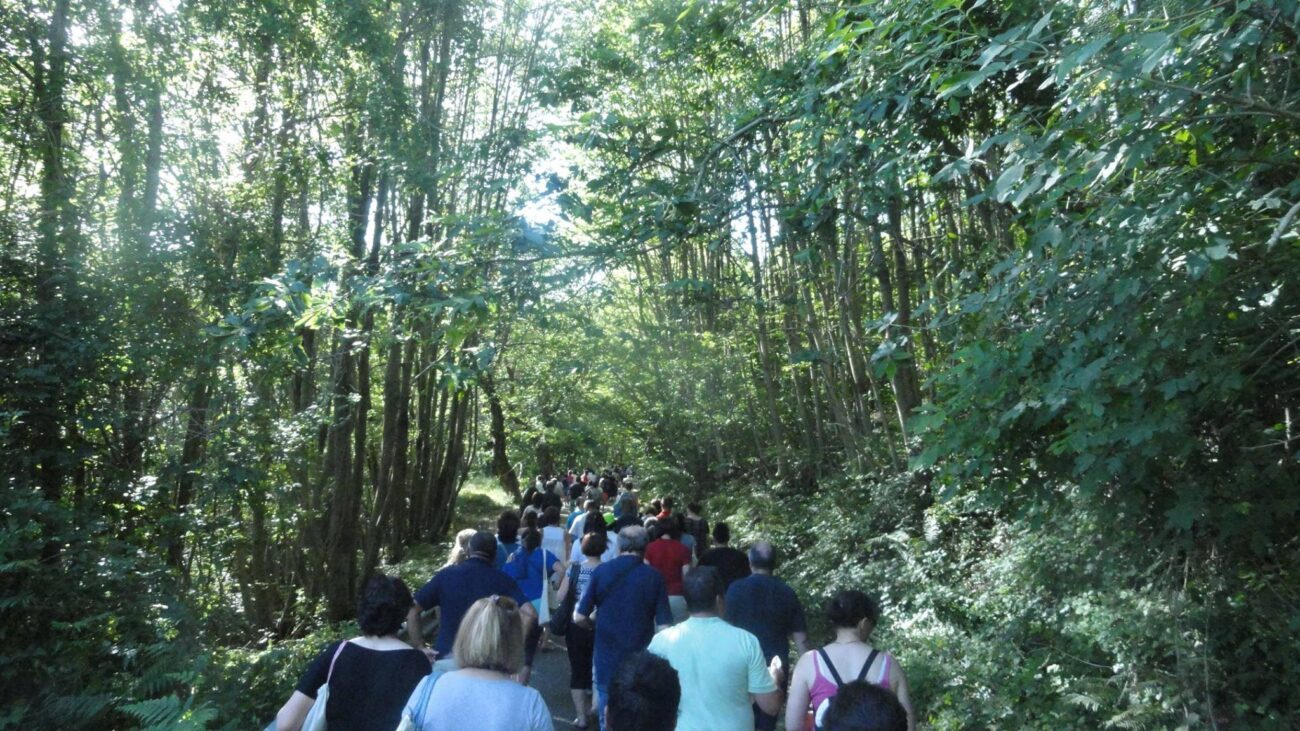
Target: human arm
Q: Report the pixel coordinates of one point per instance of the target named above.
(663, 613)
(294, 712)
(898, 681)
(796, 707)
(586, 605)
(414, 632)
(529, 614)
(563, 591)
(765, 680)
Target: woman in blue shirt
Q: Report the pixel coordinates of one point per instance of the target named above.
(533, 566)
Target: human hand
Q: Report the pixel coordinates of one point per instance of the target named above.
(776, 669)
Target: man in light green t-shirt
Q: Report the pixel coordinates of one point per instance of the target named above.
(720, 666)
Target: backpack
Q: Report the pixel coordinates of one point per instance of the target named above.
(818, 714)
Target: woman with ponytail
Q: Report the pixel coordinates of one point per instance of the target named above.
(820, 674)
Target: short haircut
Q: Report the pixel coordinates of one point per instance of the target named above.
(762, 555)
(589, 505)
(702, 587)
(383, 605)
(676, 526)
(483, 545)
(668, 503)
(643, 695)
(694, 508)
(508, 526)
(551, 516)
(632, 539)
(862, 706)
(491, 636)
(721, 532)
(594, 544)
(849, 607)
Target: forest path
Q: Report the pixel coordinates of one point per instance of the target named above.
(478, 505)
(551, 679)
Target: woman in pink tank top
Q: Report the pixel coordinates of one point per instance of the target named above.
(820, 673)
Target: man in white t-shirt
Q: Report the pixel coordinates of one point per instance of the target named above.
(721, 667)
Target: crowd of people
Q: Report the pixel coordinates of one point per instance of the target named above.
(665, 624)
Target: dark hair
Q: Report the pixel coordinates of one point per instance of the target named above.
(694, 508)
(595, 522)
(383, 605)
(861, 706)
(668, 503)
(551, 516)
(702, 587)
(849, 607)
(484, 545)
(657, 505)
(643, 695)
(530, 538)
(508, 526)
(595, 543)
(530, 519)
(537, 500)
(721, 532)
(673, 526)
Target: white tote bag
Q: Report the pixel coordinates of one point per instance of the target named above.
(315, 720)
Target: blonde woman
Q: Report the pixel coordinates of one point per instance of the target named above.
(482, 695)
(460, 549)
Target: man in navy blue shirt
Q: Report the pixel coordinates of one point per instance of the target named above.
(453, 589)
(633, 603)
(769, 608)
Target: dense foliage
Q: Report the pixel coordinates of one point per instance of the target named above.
(987, 305)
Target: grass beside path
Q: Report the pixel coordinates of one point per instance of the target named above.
(480, 501)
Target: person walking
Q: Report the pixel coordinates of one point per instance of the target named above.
(632, 604)
(672, 559)
(481, 695)
(721, 667)
(697, 528)
(507, 536)
(769, 608)
(643, 695)
(730, 563)
(821, 673)
(532, 567)
(579, 641)
(454, 589)
(370, 676)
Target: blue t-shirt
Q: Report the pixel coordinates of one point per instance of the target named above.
(628, 612)
(767, 607)
(504, 550)
(454, 589)
(529, 569)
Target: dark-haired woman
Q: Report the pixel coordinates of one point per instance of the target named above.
(580, 641)
(507, 536)
(821, 673)
(371, 676)
(533, 566)
(672, 559)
